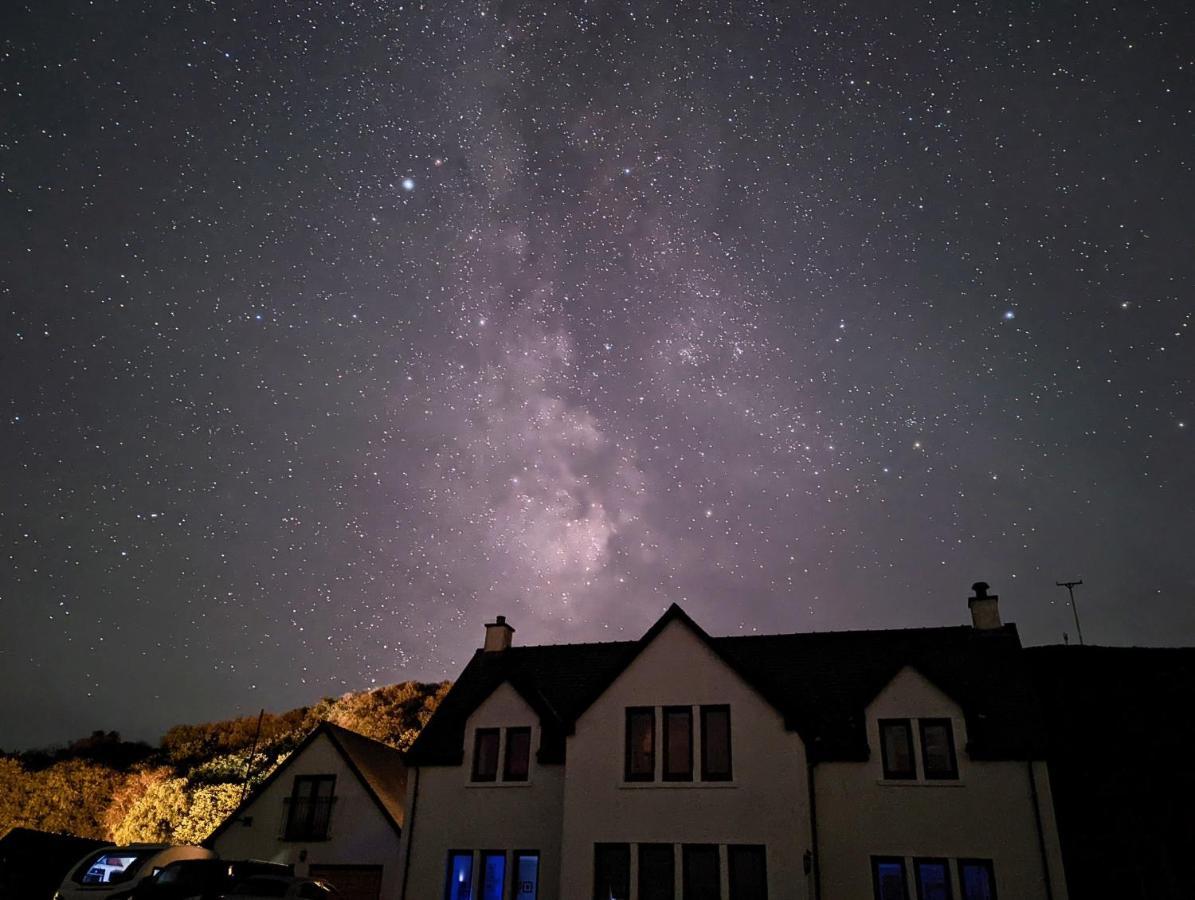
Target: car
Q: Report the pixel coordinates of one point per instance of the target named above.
(113, 873)
(203, 879)
(259, 887)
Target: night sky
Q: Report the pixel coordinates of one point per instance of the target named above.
(331, 330)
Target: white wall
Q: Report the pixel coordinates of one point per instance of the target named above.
(359, 833)
(454, 813)
(764, 804)
(987, 813)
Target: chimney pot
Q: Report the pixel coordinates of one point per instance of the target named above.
(985, 608)
(498, 635)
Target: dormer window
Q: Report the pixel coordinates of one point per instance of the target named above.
(641, 744)
(678, 743)
(485, 754)
(937, 749)
(898, 753)
(518, 754)
(896, 749)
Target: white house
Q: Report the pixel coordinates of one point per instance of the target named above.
(333, 810)
(837, 766)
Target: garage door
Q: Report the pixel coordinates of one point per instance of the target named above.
(353, 882)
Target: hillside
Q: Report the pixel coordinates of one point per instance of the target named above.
(103, 787)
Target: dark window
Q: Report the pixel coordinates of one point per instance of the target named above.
(493, 874)
(611, 871)
(641, 744)
(485, 754)
(933, 879)
(459, 883)
(525, 876)
(518, 754)
(896, 748)
(977, 879)
(937, 749)
(748, 870)
(309, 808)
(678, 743)
(715, 743)
(701, 872)
(888, 876)
(657, 872)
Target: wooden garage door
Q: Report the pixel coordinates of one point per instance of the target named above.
(353, 882)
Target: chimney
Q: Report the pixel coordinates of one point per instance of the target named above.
(985, 608)
(498, 635)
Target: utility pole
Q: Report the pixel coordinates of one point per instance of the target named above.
(1070, 589)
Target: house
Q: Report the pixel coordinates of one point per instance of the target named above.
(837, 766)
(1120, 738)
(333, 810)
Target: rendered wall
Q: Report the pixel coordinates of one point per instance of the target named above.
(359, 833)
(987, 813)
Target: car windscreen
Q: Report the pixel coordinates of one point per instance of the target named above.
(111, 866)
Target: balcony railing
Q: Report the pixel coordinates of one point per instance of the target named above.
(306, 818)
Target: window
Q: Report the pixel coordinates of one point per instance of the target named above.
(657, 872)
(748, 870)
(937, 749)
(459, 883)
(518, 754)
(701, 872)
(493, 874)
(611, 871)
(641, 744)
(896, 748)
(485, 754)
(933, 879)
(309, 808)
(888, 877)
(525, 885)
(678, 743)
(715, 743)
(977, 879)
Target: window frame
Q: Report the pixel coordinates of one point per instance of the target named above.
(952, 773)
(876, 862)
(891, 774)
(919, 861)
(987, 864)
(665, 713)
(733, 851)
(506, 774)
(627, 774)
(706, 775)
(475, 774)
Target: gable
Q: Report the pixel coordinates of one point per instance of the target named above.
(910, 693)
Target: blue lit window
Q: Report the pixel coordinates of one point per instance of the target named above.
(460, 876)
(493, 875)
(888, 878)
(526, 883)
(977, 878)
(933, 879)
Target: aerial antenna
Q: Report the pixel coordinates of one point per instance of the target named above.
(1070, 589)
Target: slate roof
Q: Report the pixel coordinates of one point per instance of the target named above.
(378, 766)
(820, 682)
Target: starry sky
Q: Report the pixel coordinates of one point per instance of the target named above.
(333, 329)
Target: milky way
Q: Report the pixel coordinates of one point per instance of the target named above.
(333, 330)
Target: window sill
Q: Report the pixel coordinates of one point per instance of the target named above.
(499, 784)
(921, 782)
(674, 785)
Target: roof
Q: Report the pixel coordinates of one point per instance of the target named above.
(379, 768)
(820, 682)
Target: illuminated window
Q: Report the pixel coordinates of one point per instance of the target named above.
(896, 748)
(459, 884)
(933, 879)
(493, 875)
(888, 878)
(518, 754)
(937, 749)
(678, 743)
(977, 879)
(641, 744)
(611, 871)
(485, 754)
(526, 876)
(715, 743)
